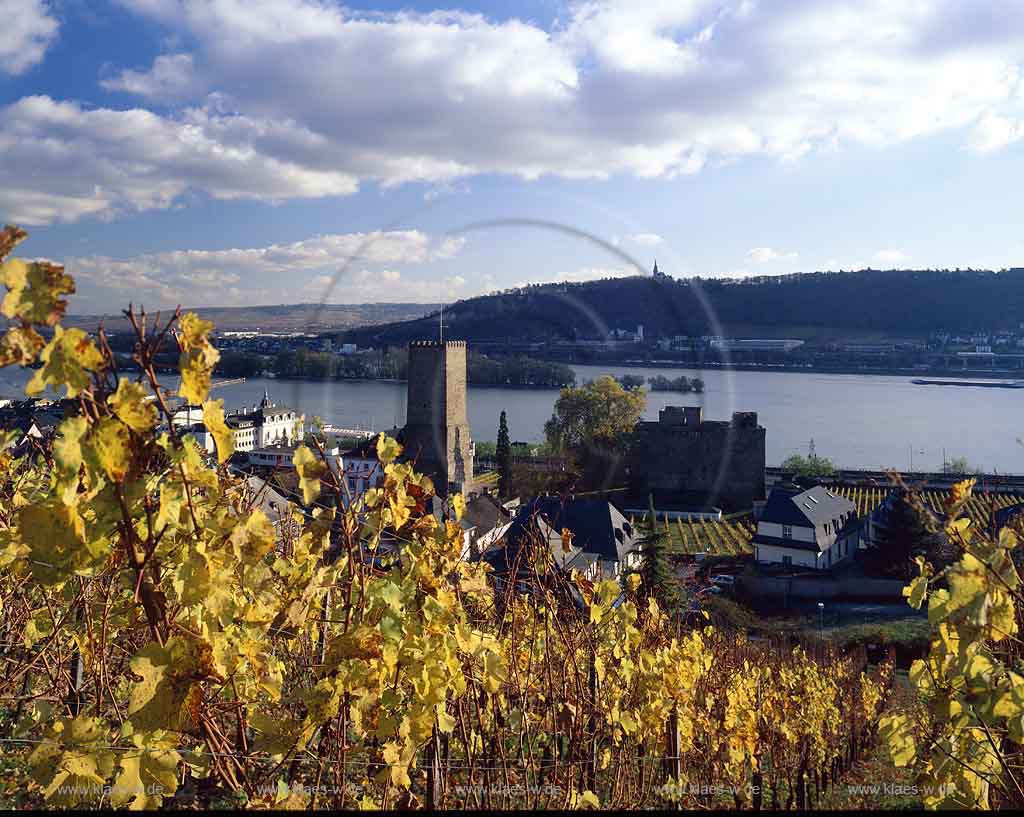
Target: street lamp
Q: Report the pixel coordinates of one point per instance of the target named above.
(821, 618)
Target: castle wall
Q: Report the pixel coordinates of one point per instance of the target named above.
(682, 455)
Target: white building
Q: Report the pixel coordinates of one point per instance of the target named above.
(203, 436)
(362, 470)
(266, 425)
(754, 344)
(814, 529)
(187, 416)
(280, 457)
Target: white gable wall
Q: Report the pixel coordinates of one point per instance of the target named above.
(802, 534)
(798, 557)
(828, 557)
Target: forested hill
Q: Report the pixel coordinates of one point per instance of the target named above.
(893, 303)
(283, 318)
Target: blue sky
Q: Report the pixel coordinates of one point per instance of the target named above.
(240, 152)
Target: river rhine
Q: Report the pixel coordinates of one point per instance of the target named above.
(858, 421)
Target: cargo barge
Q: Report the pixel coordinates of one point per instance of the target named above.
(984, 384)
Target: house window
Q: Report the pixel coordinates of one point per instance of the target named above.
(787, 560)
(787, 532)
(619, 535)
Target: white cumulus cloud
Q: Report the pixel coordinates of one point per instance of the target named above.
(580, 275)
(890, 256)
(343, 268)
(994, 132)
(171, 78)
(765, 255)
(61, 161)
(646, 239)
(28, 30)
(307, 98)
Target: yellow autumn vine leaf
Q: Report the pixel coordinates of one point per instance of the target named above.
(131, 406)
(310, 470)
(20, 345)
(147, 774)
(254, 538)
(35, 291)
(388, 449)
(67, 359)
(110, 445)
(198, 358)
(213, 419)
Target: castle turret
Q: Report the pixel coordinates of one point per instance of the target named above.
(437, 434)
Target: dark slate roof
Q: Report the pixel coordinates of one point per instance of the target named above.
(810, 508)
(367, 449)
(271, 502)
(486, 511)
(593, 523)
(1004, 516)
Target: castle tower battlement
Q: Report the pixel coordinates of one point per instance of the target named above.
(437, 433)
(436, 343)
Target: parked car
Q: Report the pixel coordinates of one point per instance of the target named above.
(724, 580)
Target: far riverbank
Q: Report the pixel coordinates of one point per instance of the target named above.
(808, 368)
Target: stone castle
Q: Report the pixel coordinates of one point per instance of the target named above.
(436, 431)
(688, 462)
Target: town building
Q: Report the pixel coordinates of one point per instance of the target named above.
(362, 470)
(585, 534)
(868, 348)
(437, 435)
(279, 457)
(187, 416)
(487, 518)
(28, 431)
(35, 419)
(1010, 516)
(754, 344)
(266, 424)
(689, 463)
(811, 528)
(259, 494)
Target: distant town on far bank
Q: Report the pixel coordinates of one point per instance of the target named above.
(834, 321)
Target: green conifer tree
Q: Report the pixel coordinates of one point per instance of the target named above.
(503, 455)
(904, 536)
(659, 579)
